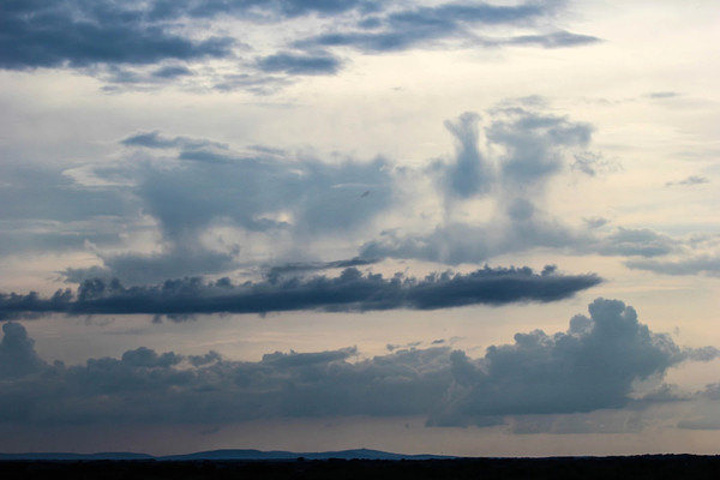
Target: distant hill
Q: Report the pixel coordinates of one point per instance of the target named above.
(246, 455)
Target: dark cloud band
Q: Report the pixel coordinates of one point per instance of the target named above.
(351, 291)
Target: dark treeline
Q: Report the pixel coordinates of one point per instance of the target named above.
(637, 468)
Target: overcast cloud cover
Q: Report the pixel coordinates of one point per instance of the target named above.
(394, 189)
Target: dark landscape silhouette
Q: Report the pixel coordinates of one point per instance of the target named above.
(348, 464)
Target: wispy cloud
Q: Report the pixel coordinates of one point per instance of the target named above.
(689, 181)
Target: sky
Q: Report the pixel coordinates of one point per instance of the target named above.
(449, 227)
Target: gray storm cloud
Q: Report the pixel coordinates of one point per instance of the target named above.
(591, 366)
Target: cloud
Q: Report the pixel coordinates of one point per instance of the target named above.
(149, 44)
(145, 357)
(591, 367)
(250, 82)
(195, 188)
(425, 26)
(693, 255)
(274, 273)
(293, 359)
(82, 34)
(45, 209)
(273, 10)
(299, 64)
(596, 222)
(156, 140)
(533, 143)
(663, 95)
(125, 77)
(32, 192)
(203, 185)
(470, 174)
(689, 181)
(705, 414)
(17, 353)
(76, 33)
(560, 39)
(525, 149)
(690, 265)
(215, 209)
(172, 72)
(523, 229)
(180, 260)
(636, 242)
(351, 291)
(593, 164)
(456, 243)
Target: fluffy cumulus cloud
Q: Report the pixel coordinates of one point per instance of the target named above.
(263, 192)
(591, 366)
(526, 148)
(213, 209)
(191, 186)
(470, 175)
(194, 187)
(150, 43)
(17, 353)
(178, 206)
(351, 291)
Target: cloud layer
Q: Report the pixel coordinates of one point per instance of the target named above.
(591, 366)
